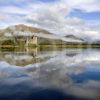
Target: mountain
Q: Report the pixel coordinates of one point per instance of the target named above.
(23, 28)
(73, 39)
(43, 35)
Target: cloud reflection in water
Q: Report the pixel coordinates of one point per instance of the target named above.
(74, 71)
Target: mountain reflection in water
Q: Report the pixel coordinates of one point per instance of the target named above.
(67, 74)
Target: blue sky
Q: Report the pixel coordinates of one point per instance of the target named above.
(91, 16)
(57, 16)
(74, 12)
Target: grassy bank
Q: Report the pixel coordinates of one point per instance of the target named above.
(71, 46)
(54, 46)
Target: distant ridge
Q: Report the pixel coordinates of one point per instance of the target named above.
(22, 30)
(73, 37)
(22, 27)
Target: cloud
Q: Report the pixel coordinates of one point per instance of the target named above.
(16, 10)
(2, 17)
(53, 16)
(83, 5)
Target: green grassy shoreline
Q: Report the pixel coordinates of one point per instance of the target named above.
(55, 46)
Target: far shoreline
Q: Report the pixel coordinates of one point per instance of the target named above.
(54, 46)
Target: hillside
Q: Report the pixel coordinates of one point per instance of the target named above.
(22, 28)
(44, 37)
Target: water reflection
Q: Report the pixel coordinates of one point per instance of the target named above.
(25, 56)
(76, 72)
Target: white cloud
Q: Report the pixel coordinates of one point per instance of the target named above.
(53, 16)
(84, 5)
(13, 10)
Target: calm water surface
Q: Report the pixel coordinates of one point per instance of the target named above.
(53, 74)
